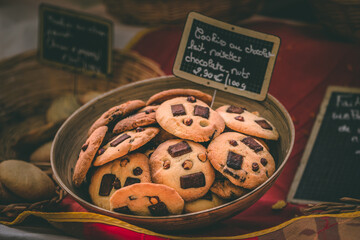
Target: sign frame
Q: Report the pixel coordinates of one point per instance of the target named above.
(85, 16)
(234, 29)
(311, 142)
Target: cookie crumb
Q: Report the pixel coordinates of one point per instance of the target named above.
(279, 205)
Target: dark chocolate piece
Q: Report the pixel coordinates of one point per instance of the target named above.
(227, 171)
(264, 124)
(158, 209)
(119, 140)
(233, 143)
(139, 129)
(124, 210)
(234, 160)
(241, 177)
(255, 167)
(84, 147)
(149, 111)
(117, 183)
(179, 149)
(263, 161)
(106, 184)
(101, 151)
(234, 109)
(251, 143)
(137, 171)
(194, 180)
(201, 111)
(240, 118)
(178, 110)
(191, 99)
(130, 181)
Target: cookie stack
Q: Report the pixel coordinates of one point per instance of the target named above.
(173, 154)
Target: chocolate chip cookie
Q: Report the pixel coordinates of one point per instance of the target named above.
(140, 119)
(182, 165)
(178, 92)
(189, 118)
(241, 159)
(87, 154)
(122, 172)
(124, 143)
(147, 199)
(116, 113)
(243, 121)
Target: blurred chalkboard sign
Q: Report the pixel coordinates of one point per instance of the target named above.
(330, 166)
(226, 57)
(75, 40)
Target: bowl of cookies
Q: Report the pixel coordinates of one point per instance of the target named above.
(165, 157)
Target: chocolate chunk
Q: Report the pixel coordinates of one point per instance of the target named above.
(233, 143)
(101, 151)
(241, 177)
(158, 209)
(201, 111)
(251, 143)
(207, 196)
(188, 121)
(106, 184)
(119, 140)
(234, 109)
(137, 171)
(84, 147)
(194, 180)
(191, 99)
(227, 171)
(255, 167)
(149, 111)
(187, 164)
(117, 183)
(166, 164)
(130, 181)
(179, 149)
(264, 124)
(234, 160)
(263, 161)
(178, 110)
(239, 118)
(139, 129)
(124, 210)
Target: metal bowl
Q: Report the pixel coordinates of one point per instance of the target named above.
(72, 135)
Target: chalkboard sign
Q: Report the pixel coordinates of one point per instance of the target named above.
(226, 57)
(75, 40)
(330, 166)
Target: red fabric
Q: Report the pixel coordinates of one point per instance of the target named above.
(308, 61)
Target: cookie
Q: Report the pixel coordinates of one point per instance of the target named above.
(26, 180)
(124, 143)
(182, 165)
(87, 154)
(122, 172)
(241, 159)
(147, 199)
(209, 200)
(116, 113)
(140, 119)
(189, 118)
(226, 190)
(243, 121)
(178, 92)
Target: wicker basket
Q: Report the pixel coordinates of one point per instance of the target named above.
(160, 12)
(341, 17)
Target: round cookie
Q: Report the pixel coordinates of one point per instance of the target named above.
(137, 120)
(147, 199)
(183, 166)
(122, 172)
(116, 113)
(226, 190)
(241, 120)
(163, 96)
(124, 143)
(241, 159)
(26, 180)
(189, 118)
(208, 201)
(87, 154)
